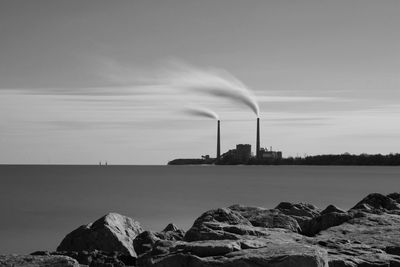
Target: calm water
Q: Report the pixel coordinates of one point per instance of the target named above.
(39, 205)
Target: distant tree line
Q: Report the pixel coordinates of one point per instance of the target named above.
(330, 159)
(342, 159)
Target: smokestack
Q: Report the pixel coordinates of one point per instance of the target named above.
(218, 142)
(258, 139)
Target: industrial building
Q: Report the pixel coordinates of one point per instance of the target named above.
(270, 154)
(240, 155)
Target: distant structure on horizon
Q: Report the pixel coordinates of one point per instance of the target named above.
(239, 155)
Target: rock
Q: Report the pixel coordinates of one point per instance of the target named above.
(145, 240)
(37, 261)
(395, 197)
(211, 223)
(363, 241)
(112, 232)
(395, 250)
(94, 258)
(330, 209)
(171, 227)
(261, 217)
(171, 232)
(207, 248)
(301, 212)
(324, 221)
(299, 209)
(290, 235)
(272, 256)
(377, 203)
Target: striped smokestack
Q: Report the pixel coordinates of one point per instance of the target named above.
(218, 141)
(258, 139)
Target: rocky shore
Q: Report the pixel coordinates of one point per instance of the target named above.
(291, 234)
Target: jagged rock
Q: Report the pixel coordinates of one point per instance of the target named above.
(301, 212)
(145, 240)
(95, 258)
(324, 221)
(171, 227)
(207, 248)
(37, 261)
(272, 256)
(112, 232)
(395, 197)
(261, 217)
(330, 209)
(394, 250)
(363, 240)
(211, 223)
(171, 232)
(367, 235)
(377, 203)
(298, 209)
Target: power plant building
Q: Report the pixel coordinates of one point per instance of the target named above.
(240, 155)
(270, 154)
(243, 152)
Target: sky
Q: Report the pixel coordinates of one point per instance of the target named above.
(83, 81)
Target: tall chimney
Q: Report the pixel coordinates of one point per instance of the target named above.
(218, 142)
(258, 139)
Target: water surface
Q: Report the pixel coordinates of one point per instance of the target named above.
(40, 204)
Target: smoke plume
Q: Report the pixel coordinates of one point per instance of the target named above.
(201, 112)
(212, 82)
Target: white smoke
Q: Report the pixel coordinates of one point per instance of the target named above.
(212, 82)
(201, 112)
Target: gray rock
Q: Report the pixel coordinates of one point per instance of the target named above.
(395, 197)
(366, 240)
(171, 232)
(332, 208)
(113, 232)
(324, 221)
(146, 240)
(207, 248)
(37, 261)
(171, 227)
(261, 217)
(271, 256)
(94, 258)
(301, 212)
(298, 209)
(211, 223)
(377, 203)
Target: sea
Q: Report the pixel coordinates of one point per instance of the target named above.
(40, 204)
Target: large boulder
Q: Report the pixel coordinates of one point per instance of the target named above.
(395, 197)
(37, 261)
(112, 232)
(376, 203)
(324, 221)
(301, 212)
(171, 232)
(261, 217)
(330, 209)
(228, 254)
(215, 224)
(367, 239)
(94, 258)
(146, 240)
